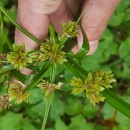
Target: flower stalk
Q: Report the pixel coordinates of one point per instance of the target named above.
(48, 101)
(48, 104)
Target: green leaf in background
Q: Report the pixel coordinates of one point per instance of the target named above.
(79, 123)
(60, 125)
(37, 110)
(35, 96)
(119, 14)
(10, 121)
(124, 48)
(89, 111)
(26, 125)
(57, 108)
(72, 106)
(108, 111)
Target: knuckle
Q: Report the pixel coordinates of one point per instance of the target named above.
(45, 6)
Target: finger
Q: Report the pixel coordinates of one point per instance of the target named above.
(32, 15)
(44, 6)
(95, 19)
(32, 22)
(62, 14)
(74, 6)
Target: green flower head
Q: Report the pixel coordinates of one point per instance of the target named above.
(70, 29)
(17, 92)
(94, 84)
(52, 52)
(19, 58)
(78, 85)
(104, 78)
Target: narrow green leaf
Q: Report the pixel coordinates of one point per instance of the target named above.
(117, 102)
(35, 69)
(73, 69)
(36, 78)
(17, 25)
(53, 34)
(6, 68)
(70, 44)
(21, 77)
(81, 54)
(85, 44)
(1, 33)
(78, 67)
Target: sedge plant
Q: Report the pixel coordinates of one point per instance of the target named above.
(54, 51)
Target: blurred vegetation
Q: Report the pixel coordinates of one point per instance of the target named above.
(70, 112)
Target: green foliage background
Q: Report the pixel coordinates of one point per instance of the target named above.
(70, 112)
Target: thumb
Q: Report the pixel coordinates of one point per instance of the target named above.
(95, 19)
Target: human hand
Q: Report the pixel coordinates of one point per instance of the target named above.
(36, 15)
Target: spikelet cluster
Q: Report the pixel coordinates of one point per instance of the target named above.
(52, 52)
(48, 87)
(4, 102)
(19, 57)
(70, 29)
(94, 84)
(18, 93)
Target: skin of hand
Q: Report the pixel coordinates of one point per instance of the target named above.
(36, 15)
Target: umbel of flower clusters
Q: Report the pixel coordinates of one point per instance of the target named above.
(93, 85)
(19, 57)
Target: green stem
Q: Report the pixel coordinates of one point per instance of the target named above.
(52, 75)
(48, 105)
(46, 111)
(18, 26)
(1, 33)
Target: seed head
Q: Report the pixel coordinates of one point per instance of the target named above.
(17, 92)
(78, 85)
(52, 52)
(48, 87)
(70, 29)
(19, 58)
(94, 84)
(4, 102)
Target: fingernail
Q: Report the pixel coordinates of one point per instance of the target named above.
(93, 46)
